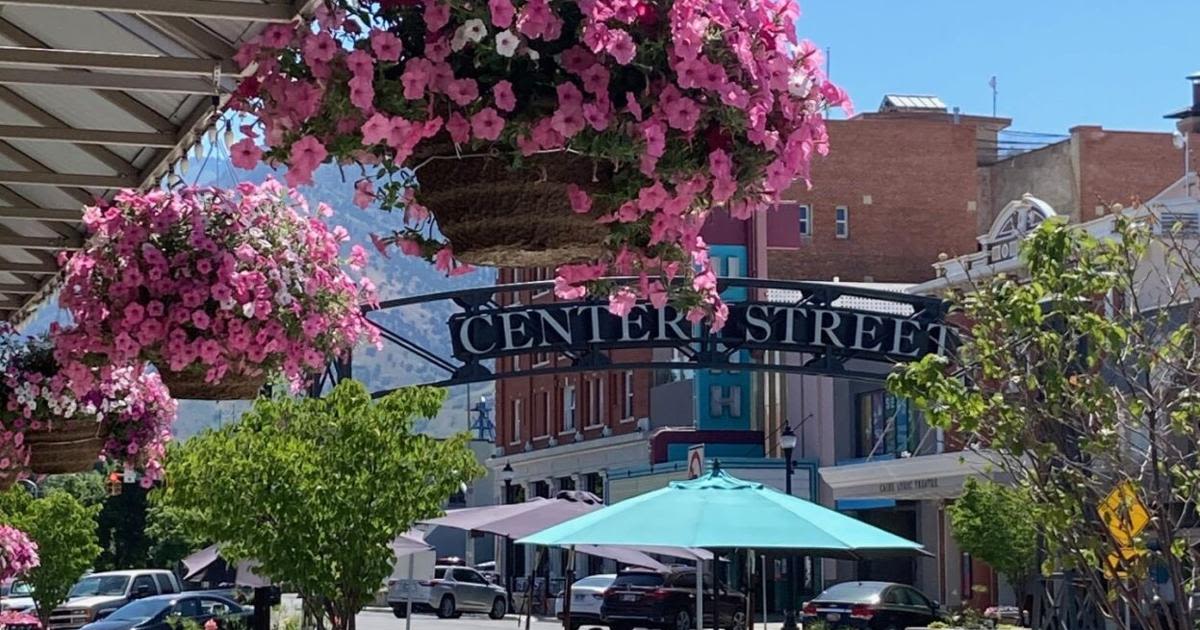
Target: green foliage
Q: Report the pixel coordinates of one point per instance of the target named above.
(65, 532)
(316, 489)
(87, 487)
(995, 523)
(170, 540)
(1078, 378)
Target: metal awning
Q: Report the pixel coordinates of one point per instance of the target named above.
(97, 95)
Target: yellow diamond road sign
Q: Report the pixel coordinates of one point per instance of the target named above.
(1124, 514)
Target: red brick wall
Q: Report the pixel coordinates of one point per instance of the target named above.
(920, 176)
(539, 424)
(1118, 166)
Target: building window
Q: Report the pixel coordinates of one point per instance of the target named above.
(887, 425)
(543, 419)
(540, 359)
(517, 419)
(516, 275)
(805, 220)
(627, 403)
(594, 483)
(596, 401)
(568, 409)
(841, 222)
(566, 483)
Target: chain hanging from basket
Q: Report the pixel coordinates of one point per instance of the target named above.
(590, 136)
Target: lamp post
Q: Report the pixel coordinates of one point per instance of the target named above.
(787, 441)
(507, 475)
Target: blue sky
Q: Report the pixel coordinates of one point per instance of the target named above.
(1058, 63)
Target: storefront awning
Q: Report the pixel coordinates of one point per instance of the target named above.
(938, 476)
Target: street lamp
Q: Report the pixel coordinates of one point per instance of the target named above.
(507, 475)
(787, 441)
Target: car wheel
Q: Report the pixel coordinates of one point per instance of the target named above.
(739, 621)
(499, 609)
(400, 611)
(446, 609)
(683, 620)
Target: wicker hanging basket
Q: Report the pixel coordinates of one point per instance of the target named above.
(67, 447)
(189, 384)
(497, 215)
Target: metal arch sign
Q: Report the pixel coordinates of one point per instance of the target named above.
(835, 329)
(590, 327)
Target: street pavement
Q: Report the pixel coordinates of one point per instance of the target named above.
(377, 620)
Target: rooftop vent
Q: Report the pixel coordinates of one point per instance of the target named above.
(911, 103)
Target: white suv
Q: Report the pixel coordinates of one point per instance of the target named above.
(451, 592)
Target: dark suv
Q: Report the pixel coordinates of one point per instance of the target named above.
(668, 601)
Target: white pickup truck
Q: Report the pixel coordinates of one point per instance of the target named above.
(97, 595)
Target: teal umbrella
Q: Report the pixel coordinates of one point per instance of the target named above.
(717, 511)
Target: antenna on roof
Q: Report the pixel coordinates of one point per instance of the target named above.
(992, 84)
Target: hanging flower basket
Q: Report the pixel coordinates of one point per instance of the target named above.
(498, 215)
(64, 447)
(191, 383)
(638, 115)
(18, 554)
(220, 289)
(52, 424)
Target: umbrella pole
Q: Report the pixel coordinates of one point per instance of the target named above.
(537, 561)
(763, 578)
(570, 575)
(412, 586)
(699, 594)
(716, 611)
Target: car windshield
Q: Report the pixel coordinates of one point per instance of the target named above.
(20, 589)
(595, 580)
(648, 580)
(140, 610)
(852, 592)
(100, 585)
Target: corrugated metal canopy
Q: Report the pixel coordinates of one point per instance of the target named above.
(97, 95)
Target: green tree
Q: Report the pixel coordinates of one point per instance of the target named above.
(1079, 378)
(316, 489)
(994, 523)
(65, 532)
(88, 487)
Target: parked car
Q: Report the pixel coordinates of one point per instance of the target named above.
(587, 599)
(668, 601)
(872, 605)
(452, 591)
(16, 595)
(96, 595)
(161, 612)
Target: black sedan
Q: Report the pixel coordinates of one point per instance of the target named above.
(158, 613)
(872, 605)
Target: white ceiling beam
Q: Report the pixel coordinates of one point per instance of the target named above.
(200, 9)
(40, 242)
(65, 179)
(43, 268)
(87, 136)
(51, 57)
(32, 213)
(106, 81)
(21, 287)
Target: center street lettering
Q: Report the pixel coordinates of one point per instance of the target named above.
(751, 325)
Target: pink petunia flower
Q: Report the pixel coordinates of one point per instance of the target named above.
(245, 154)
(502, 93)
(364, 193)
(487, 124)
(387, 47)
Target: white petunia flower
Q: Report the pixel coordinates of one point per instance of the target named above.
(799, 84)
(506, 43)
(474, 30)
